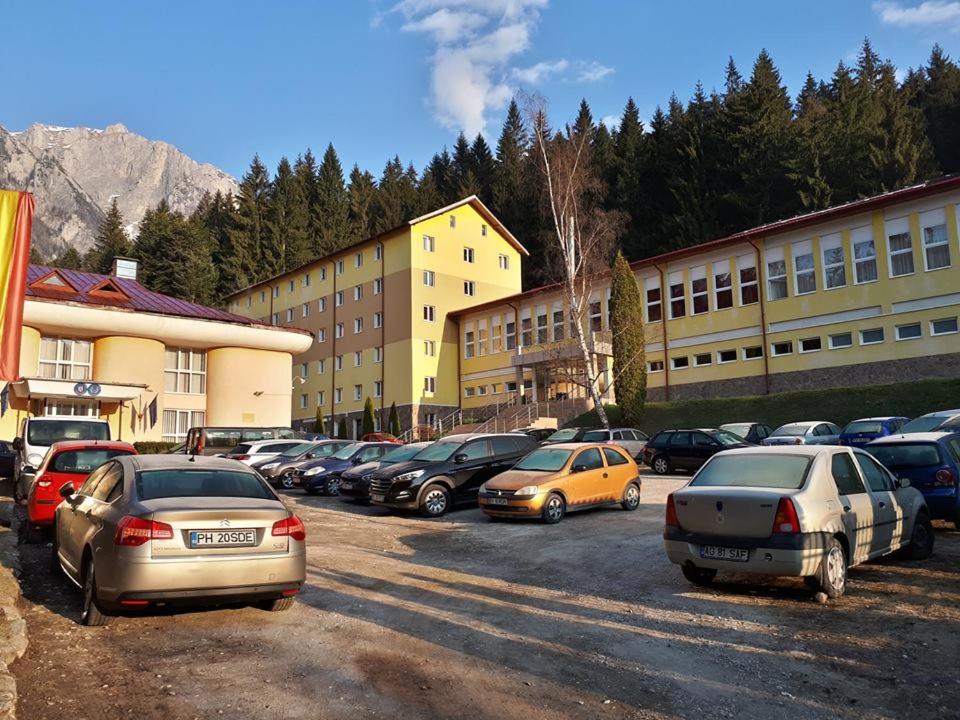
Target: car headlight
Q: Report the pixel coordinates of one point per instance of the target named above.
(527, 491)
(483, 488)
(35, 459)
(314, 470)
(270, 466)
(407, 477)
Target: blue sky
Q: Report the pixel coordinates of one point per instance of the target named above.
(223, 81)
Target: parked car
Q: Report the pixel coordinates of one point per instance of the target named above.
(931, 421)
(447, 473)
(220, 440)
(573, 434)
(538, 434)
(7, 458)
(355, 481)
(556, 479)
(752, 432)
(66, 462)
(630, 439)
(323, 474)
(166, 529)
(253, 452)
(381, 437)
(803, 511)
(278, 470)
(860, 432)
(811, 432)
(931, 462)
(37, 434)
(671, 450)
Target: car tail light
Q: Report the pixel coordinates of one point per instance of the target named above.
(240, 457)
(945, 476)
(44, 483)
(798, 441)
(786, 520)
(291, 526)
(133, 531)
(672, 520)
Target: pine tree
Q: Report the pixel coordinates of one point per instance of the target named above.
(368, 424)
(440, 169)
(464, 168)
(256, 257)
(428, 193)
(807, 169)
(394, 421)
(935, 91)
(288, 219)
(625, 180)
(361, 199)
(342, 428)
(901, 153)
(396, 197)
(332, 214)
(111, 242)
(483, 168)
(629, 357)
(69, 260)
(509, 192)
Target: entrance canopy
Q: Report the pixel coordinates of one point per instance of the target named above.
(40, 388)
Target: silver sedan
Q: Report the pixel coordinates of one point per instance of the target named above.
(803, 511)
(150, 530)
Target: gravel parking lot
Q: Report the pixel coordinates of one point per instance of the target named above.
(464, 618)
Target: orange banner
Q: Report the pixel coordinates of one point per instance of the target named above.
(16, 219)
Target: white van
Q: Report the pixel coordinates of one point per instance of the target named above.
(37, 434)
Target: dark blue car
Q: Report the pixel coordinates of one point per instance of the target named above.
(931, 462)
(323, 475)
(860, 432)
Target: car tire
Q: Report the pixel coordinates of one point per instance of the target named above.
(277, 605)
(554, 508)
(698, 575)
(434, 500)
(631, 497)
(831, 577)
(661, 465)
(90, 613)
(333, 486)
(286, 480)
(921, 538)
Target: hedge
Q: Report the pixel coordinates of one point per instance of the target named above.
(838, 405)
(153, 447)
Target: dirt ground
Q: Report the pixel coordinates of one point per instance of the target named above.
(463, 618)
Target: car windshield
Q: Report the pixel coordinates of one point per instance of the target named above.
(726, 438)
(47, 432)
(562, 435)
(296, 450)
(869, 427)
(347, 451)
(155, 484)
(595, 436)
(438, 452)
(738, 429)
(925, 423)
(795, 430)
(240, 450)
(83, 461)
(544, 460)
(900, 456)
(784, 472)
(404, 452)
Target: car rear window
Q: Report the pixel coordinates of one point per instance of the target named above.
(243, 449)
(595, 436)
(739, 429)
(907, 455)
(562, 435)
(82, 462)
(47, 432)
(791, 431)
(155, 484)
(871, 427)
(925, 423)
(784, 472)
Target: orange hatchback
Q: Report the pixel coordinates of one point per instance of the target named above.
(67, 462)
(556, 479)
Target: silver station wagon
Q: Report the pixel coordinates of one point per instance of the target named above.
(803, 511)
(146, 530)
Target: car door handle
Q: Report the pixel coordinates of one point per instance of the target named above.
(846, 508)
(882, 504)
(605, 475)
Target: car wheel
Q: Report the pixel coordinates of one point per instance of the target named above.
(333, 486)
(921, 540)
(554, 508)
(698, 575)
(435, 501)
(286, 480)
(832, 574)
(660, 465)
(90, 613)
(631, 497)
(277, 605)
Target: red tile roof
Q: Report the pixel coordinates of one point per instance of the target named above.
(137, 296)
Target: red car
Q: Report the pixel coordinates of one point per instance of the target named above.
(67, 462)
(381, 437)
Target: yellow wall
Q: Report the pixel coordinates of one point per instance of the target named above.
(249, 387)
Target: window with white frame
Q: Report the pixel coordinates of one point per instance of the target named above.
(776, 274)
(678, 300)
(338, 298)
(503, 261)
(429, 278)
(429, 348)
(306, 279)
(377, 388)
(468, 254)
(321, 398)
(358, 259)
(496, 338)
(526, 328)
(654, 299)
(679, 363)
(357, 325)
(66, 359)
(510, 334)
(358, 292)
(338, 330)
(864, 255)
(655, 366)
(378, 319)
(943, 326)
(722, 285)
(276, 291)
(468, 392)
(936, 242)
(595, 313)
(747, 270)
(429, 385)
(358, 392)
(429, 313)
(323, 273)
(306, 309)
(804, 268)
(699, 302)
(337, 395)
(469, 287)
(469, 342)
(429, 244)
(483, 229)
(453, 221)
(322, 335)
(809, 345)
(378, 354)
(726, 356)
(338, 363)
(262, 296)
(176, 424)
(754, 352)
(481, 337)
(339, 267)
(322, 304)
(275, 319)
(701, 359)
(289, 314)
(357, 358)
(184, 371)
(784, 347)
(542, 324)
(377, 285)
(378, 252)
(321, 366)
(899, 247)
(910, 331)
(481, 390)
(872, 336)
(510, 385)
(558, 321)
(303, 401)
(304, 369)
(837, 341)
(834, 265)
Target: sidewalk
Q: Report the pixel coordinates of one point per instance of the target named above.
(13, 628)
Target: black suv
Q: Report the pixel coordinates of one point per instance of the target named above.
(448, 472)
(671, 450)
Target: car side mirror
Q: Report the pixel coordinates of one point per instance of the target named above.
(309, 456)
(578, 468)
(66, 491)
(460, 458)
(18, 444)
(903, 482)
(356, 461)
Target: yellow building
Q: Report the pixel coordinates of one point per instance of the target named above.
(380, 312)
(105, 346)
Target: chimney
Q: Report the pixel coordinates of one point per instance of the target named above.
(124, 267)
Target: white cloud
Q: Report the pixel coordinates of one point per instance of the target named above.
(611, 121)
(593, 71)
(535, 74)
(446, 25)
(929, 13)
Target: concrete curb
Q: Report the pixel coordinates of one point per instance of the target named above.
(13, 628)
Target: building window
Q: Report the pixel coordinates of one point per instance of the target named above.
(338, 396)
(702, 359)
(358, 259)
(469, 287)
(746, 265)
(864, 259)
(263, 296)
(468, 254)
(377, 388)
(496, 341)
(679, 363)
(526, 329)
(483, 230)
(276, 291)
(289, 314)
(873, 336)
(429, 313)
(900, 247)
(378, 354)
(726, 356)
(378, 252)
(377, 285)
(290, 287)
(468, 344)
(338, 298)
(378, 319)
(776, 275)
(678, 302)
(358, 292)
(910, 331)
(542, 324)
(306, 309)
(176, 424)
(453, 221)
(511, 386)
(306, 280)
(185, 371)
(358, 358)
(784, 347)
(944, 326)
(722, 285)
(804, 271)
(321, 399)
(275, 319)
(338, 330)
(429, 278)
(67, 359)
(503, 261)
(304, 369)
(655, 366)
(753, 353)
(429, 244)
(595, 315)
(322, 304)
(429, 385)
(654, 301)
(809, 345)
(558, 322)
(482, 339)
(840, 340)
(936, 247)
(321, 335)
(358, 392)
(321, 367)
(834, 267)
(338, 363)
(357, 325)
(468, 392)
(481, 390)
(303, 401)
(429, 348)
(699, 302)
(323, 273)
(339, 267)
(249, 300)
(511, 335)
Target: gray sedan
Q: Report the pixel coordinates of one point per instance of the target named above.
(278, 470)
(810, 432)
(149, 530)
